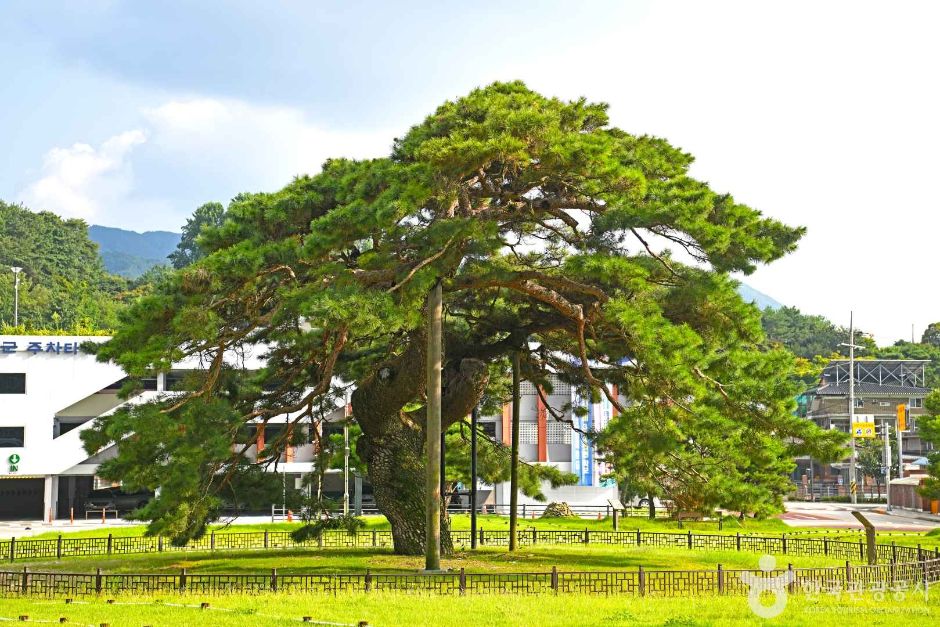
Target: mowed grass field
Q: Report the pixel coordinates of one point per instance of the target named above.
(382, 609)
(539, 558)
(490, 522)
(385, 608)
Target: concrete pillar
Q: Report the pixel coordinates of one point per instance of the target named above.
(50, 497)
(161, 382)
(357, 494)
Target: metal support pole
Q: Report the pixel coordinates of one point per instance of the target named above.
(433, 391)
(514, 454)
(346, 464)
(16, 295)
(907, 410)
(887, 438)
(474, 416)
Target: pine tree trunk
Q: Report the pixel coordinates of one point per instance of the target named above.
(392, 443)
(397, 471)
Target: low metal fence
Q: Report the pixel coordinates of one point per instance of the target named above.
(13, 550)
(664, 583)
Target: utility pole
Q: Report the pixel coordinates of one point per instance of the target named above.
(16, 295)
(853, 486)
(887, 437)
(433, 391)
(474, 416)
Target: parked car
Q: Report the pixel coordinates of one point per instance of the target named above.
(115, 499)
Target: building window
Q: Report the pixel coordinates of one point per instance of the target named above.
(558, 433)
(917, 403)
(528, 433)
(12, 437)
(859, 402)
(489, 429)
(12, 383)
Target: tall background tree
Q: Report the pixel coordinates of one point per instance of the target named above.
(210, 214)
(550, 231)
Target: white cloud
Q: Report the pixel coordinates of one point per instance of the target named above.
(206, 147)
(81, 180)
(257, 147)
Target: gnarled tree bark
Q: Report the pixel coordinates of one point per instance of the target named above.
(393, 440)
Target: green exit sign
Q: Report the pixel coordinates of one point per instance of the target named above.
(14, 461)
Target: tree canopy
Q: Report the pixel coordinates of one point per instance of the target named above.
(551, 232)
(63, 284)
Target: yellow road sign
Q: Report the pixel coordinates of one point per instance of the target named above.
(863, 430)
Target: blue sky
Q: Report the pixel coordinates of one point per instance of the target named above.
(131, 114)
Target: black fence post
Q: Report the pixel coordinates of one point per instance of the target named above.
(110, 543)
(535, 538)
(641, 581)
(463, 581)
(638, 538)
(58, 547)
(690, 538)
(212, 541)
(481, 537)
(783, 541)
(825, 546)
(720, 526)
(25, 581)
(848, 574)
(894, 552)
(98, 581)
(273, 580)
(587, 538)
(12, 549)
(374, 542)
(861, 550)
(266, 541)
(737, 540)
(555, 579)
(721, 580)
(368, 580)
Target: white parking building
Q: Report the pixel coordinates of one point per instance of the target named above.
(49, 393)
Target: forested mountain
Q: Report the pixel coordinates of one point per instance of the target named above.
(131, 254)
(64, 284)
(803, 335)
(761, 300)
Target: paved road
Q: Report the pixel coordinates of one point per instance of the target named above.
(803, 514)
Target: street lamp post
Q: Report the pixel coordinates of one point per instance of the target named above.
(16, 295)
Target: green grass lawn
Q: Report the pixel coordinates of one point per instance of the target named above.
(539, 558)
(490, 522)
(384, 609)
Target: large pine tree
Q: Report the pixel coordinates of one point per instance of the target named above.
(548, 229)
